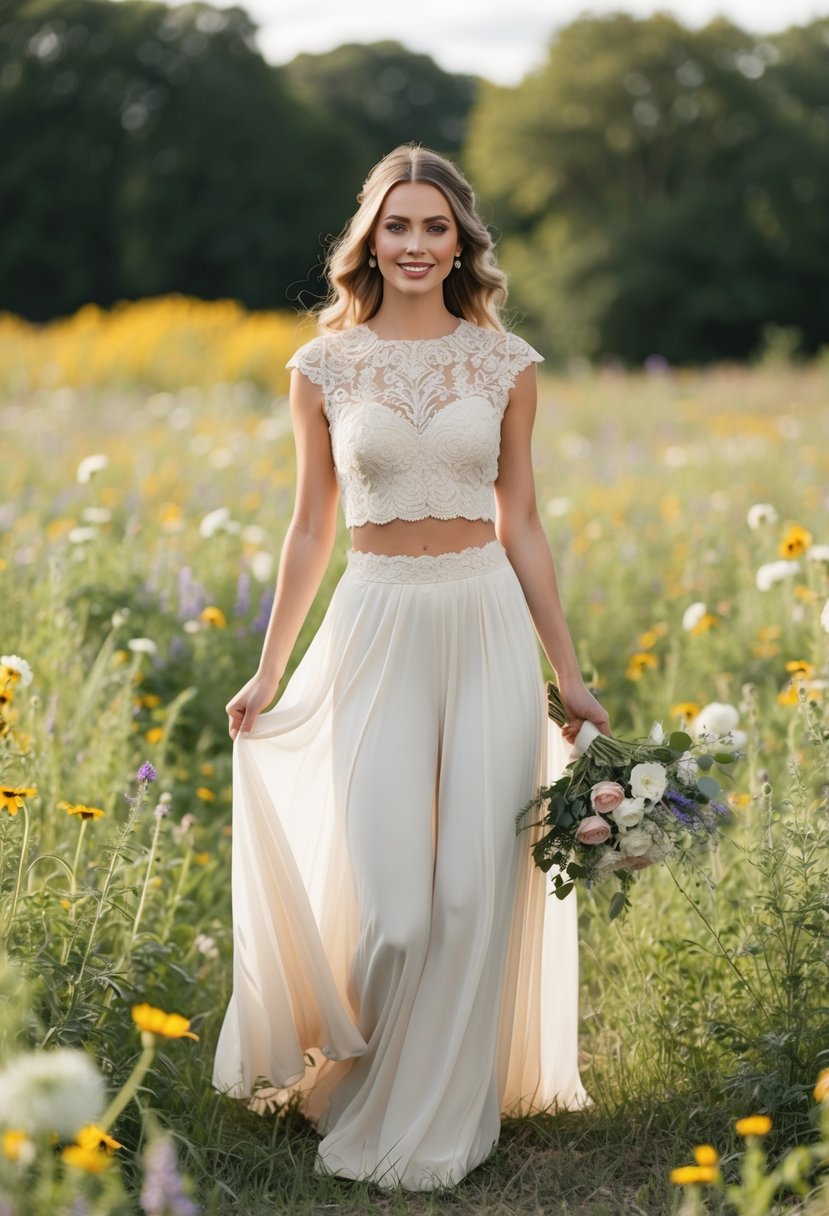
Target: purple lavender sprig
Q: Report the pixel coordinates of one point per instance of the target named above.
(163, 1192)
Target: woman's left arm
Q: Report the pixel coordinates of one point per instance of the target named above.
(520, 531)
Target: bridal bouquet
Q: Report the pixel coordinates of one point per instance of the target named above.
(622, 805)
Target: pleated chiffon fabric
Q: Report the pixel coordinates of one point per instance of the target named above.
(397, 960)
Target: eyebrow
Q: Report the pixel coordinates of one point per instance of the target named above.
(426, 221)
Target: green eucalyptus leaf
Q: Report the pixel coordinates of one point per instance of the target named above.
(705, 761)
(617, 903)
(709, 787)
(679, 741)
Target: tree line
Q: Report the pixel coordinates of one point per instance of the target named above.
(653, 189)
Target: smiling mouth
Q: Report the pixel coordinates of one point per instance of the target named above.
(415, 266)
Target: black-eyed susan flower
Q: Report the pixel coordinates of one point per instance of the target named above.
(213, 615)
(639, 662)
(91, 1136)
(91, 1160)
(795, 542)
(155, 1021)
(12, 797)
(686, 710)
(81, 810)
(800, 669)
(753, 1125)
(684, 1175)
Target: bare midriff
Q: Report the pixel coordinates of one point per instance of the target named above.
(413, 537)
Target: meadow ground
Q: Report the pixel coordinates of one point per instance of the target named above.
(141, 527)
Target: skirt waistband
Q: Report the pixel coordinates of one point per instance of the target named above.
(426, 567)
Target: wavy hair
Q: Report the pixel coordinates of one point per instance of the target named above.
(477, 292)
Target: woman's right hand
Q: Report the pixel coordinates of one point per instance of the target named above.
(243, 709)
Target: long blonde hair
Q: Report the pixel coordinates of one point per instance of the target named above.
(477, 292)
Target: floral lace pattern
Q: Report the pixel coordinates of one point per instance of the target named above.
(415, 424)
(426, 567)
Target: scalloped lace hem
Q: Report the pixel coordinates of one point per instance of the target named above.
(426, 567)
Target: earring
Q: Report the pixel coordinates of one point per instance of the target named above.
(372, 261)
(457, 263)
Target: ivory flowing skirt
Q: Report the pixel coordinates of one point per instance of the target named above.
(397, 959)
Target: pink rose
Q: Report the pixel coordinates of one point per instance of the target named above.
(605, 796)
(593, 829)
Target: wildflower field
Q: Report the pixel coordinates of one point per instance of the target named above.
(148, 483)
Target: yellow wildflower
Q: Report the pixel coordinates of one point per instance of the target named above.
(211, 615)
(201, 859)
(66, 904)
(686, 709)
(205, 794)
(738, 800)
(795, 542)
(155, 1021)
(802, 592)
(788, 695)
(93, 1136)
(15, 1144)
(638, 662)
(704, 623)
(821, 1090)
(706, 1154)
(647, 639)
(155, 734)
(12, 796)
(753, 1125)
(85, 812)
(150, 700)
(121, 656)
(765, 650)
(768, 633)
(800, 669)
(207, 769)
(92, 1160)
(685, 1174)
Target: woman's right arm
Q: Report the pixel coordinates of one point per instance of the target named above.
(305, 552)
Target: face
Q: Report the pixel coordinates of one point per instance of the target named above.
(415, 228)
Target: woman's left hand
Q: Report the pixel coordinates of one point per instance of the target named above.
(581, 706)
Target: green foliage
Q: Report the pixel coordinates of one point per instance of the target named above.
(662, 189)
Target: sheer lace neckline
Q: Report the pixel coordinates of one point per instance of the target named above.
(412, 341)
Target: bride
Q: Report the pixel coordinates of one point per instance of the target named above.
(396, 959)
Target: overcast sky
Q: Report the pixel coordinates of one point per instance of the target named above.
(500, 39)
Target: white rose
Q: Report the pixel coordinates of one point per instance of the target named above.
(774, 572)
(657, 733)
(761, 513)
(629, 812)
(693, 613)
(648, 780)
(635, 843)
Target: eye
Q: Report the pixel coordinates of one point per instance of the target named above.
(437, 227)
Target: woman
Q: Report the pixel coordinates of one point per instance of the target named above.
(395, 957)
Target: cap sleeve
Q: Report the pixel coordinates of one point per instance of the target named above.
(516, 354)
(310, 359)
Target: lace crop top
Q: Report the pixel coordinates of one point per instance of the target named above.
(415, 423)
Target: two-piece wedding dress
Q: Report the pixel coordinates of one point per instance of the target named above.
(397, 958)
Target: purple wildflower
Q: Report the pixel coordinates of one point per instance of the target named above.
(261, 622)
(719, 808)
(147, 772)
(163, 1193)
(242, 594)
(678, 798)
